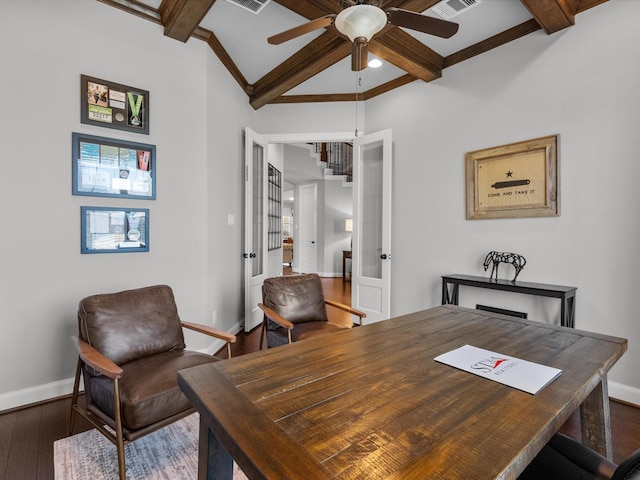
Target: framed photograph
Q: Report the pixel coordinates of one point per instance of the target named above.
(514, 181)
(114, 230)
(106, 167)
(112, 105)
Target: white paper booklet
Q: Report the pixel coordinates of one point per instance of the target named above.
(514, 372)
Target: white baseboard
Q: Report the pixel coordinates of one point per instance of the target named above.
(39, 393)
(624, 392)
(321, 274)
(48, 391)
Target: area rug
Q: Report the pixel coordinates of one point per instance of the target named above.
(168, 454)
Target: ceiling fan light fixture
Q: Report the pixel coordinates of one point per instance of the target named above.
(375, 63)
(361, 21)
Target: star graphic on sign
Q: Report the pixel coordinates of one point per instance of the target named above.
(509, 174)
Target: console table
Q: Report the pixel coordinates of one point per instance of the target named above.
(566, 294)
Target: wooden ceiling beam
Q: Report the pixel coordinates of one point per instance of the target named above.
(318, 55)
(553, 15)
(402, 50)
(181, 17)
(229, 64)
(587, 4)
(309, 10)
(490, 43)
(135, 8)
(392, 44)
(418, 5)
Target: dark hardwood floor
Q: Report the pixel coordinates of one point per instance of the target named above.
(27, 434)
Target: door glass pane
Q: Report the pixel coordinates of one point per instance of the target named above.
(370, 202)
(257, 214)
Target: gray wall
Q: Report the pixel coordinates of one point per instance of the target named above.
(44, 47)
(579, 83)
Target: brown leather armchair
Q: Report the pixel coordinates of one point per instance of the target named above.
(297, 301)
(131, 347)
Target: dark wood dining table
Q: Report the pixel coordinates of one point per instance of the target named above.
(371, 402)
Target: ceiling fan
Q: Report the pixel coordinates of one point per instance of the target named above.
(361, 20)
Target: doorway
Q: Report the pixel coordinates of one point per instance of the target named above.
(371, 236)
(320, 202)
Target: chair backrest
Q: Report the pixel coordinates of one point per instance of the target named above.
(629, 469)
(132, 324)
(298, 298)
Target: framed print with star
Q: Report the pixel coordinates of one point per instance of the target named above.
(514, 181)
(112, 105)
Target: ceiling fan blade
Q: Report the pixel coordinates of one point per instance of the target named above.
(301, 29)
(421, 23)
(359, 55)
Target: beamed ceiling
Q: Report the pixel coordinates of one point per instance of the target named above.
(317, 66)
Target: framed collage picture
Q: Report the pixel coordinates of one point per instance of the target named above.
(114, 230)
(113, 105)
(106, 167)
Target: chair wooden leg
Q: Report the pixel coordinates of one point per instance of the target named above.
(119, 435)
(74, 396)
(263, 332)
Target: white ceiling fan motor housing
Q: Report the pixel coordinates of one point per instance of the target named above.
(361, 21)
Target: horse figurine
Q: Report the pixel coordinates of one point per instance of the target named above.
(495, 258)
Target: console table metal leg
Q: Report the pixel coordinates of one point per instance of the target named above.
(567, 312)
(449, 299)
(454, 294)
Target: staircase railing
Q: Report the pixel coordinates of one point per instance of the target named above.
(338, 157)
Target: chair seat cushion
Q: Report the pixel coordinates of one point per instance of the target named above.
(301, 331)
(149, 389)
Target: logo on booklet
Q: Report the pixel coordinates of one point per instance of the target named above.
(489, 365)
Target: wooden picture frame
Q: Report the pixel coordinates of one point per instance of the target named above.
(113, 105)
(517, 180)
(114, 230)
(108, 167)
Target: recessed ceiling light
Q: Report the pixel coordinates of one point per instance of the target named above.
(375, 63)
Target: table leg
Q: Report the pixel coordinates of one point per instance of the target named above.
(344, 260)
(214, 462)
(596, 420)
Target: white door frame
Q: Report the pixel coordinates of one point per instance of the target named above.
(253, 281)
(371, 290)
(316, 138)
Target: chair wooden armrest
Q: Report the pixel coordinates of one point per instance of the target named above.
(212, 332)
(96, 360)
(274, 316)
(347, 308)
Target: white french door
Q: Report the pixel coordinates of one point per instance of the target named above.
(308, 221)
(371, 277)
(255, 247)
